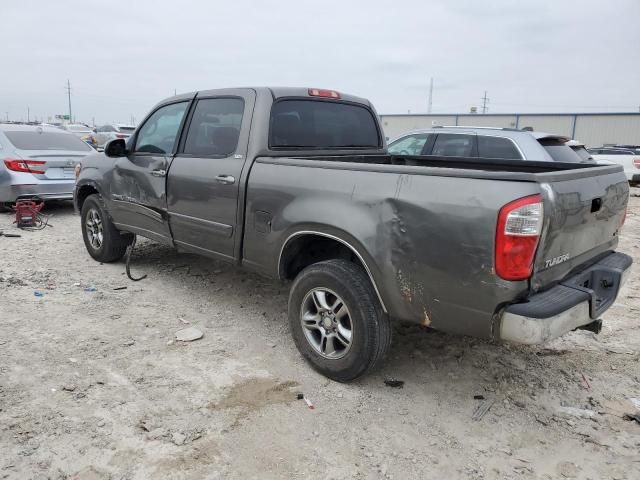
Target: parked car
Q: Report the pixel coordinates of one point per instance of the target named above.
(297, 184)
(38, 160)
(114, 130)
(81, 131)
(628, 158)
(486, 142)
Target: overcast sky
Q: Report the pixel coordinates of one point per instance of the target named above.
(124, 56)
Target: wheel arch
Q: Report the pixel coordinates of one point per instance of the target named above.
(82, 192)
(296, 242)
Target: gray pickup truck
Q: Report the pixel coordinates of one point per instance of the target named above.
(296, 184)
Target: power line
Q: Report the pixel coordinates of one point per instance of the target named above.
(485, 100)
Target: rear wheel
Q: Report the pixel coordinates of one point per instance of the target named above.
(336, 320)
(103, 240)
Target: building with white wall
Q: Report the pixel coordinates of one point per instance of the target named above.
(594, 129)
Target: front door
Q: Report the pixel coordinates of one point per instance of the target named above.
(204, 178)
(138, 186)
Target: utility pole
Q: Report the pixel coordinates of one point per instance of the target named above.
(485, 100)
(7, 113)
(430, 95)
(68, 89)
(28, 116)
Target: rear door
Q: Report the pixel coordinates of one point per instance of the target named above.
(203, 182)
(455, 145)
(584, 210)
(138, 185)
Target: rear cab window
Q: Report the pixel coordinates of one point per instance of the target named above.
(322, 125)
(559, 151)
(44, 140)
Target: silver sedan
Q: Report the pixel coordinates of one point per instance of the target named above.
(38, 160)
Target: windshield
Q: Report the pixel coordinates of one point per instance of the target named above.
(34, 140)
(314, 124)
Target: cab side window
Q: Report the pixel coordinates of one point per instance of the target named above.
(215, 127)
(410, 145)
(159, 133)
(497, 147)
(453, 145)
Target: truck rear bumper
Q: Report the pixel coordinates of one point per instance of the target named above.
(575, 302)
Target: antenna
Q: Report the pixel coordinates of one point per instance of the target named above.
(430, 95)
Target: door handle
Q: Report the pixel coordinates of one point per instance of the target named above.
(159, 173)
(226, 179)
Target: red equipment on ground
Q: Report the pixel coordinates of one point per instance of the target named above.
(28, 213)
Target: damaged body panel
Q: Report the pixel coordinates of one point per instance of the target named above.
(252, 190)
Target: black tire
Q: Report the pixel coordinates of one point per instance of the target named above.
(371, 329)
(114, 243)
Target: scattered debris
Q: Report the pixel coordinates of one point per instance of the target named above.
(120, 288)
(69, 388)
(182, 320)
(10, 235)
(394, 383)
(188, 334)
(478, 397)
(482, 409)
(576, 412)
(90, 289)
(129, 343)
(586, 381)
(635, 402)
(300, 396)
(73, 360)
(38, 294)
(632, 416)
(157, 433)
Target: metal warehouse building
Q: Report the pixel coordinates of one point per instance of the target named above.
(593, 129)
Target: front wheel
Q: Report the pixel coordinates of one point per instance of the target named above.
(103, 240)
(336, 320)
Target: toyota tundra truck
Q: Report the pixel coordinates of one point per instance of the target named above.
(297, 184)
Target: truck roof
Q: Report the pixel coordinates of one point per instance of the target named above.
(275, 92)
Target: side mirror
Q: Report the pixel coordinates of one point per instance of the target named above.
(115, 148)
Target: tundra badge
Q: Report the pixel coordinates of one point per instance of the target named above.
(556, 260)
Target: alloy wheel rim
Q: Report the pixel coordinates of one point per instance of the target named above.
(326, 323)
(93, 225)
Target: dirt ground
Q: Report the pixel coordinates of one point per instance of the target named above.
(94, 387)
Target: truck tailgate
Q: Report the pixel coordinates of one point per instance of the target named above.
(583, 215)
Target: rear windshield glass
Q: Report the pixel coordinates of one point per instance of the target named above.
(315, 124)
(25, 140)
(584, 155)
(560, 151)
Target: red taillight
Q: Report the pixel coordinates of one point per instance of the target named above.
(636, 162)
(517, 236)
(121, 135)
(317, 92)
(23, 165)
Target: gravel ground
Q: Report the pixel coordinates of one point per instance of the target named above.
(93, 385)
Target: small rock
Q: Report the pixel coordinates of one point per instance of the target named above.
(101, 423)
(567, 469)
(69, 388)
(157, 433)
(178, 438)
(129, 343)
(576, 412)
(73, 360)
(188, 334)
(368, 454)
